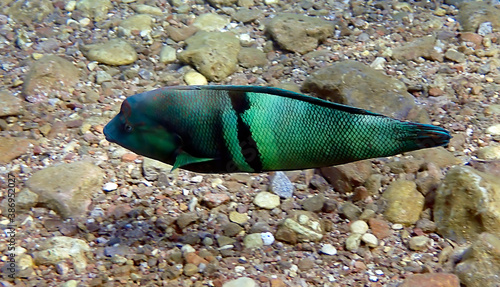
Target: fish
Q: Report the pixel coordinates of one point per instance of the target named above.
(226, 129)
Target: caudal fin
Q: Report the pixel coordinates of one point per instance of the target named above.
(426, 136)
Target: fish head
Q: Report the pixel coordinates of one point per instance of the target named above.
(136, 129)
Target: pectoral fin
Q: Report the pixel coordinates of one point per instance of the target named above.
(184, 159)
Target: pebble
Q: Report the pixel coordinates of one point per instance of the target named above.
(359, 226)
(397, 195)
(328, 249)
(115, 52)
(196, 179)
(419, 243)
(237, 217)
(59, 248)
(370, 240)
(353, 241)
(397, 226)
(281, 185)
(379, 228)
(110, 186)
(485, 28)
(267, 238)
(241, 282)
(253, 240)
(168, 54)
(190, 269)
(493, 130)
(266, 200)
(314, 203)
(194, 78)
(215, 199)
(210, 22)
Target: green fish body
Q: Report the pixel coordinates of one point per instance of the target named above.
(222, 129)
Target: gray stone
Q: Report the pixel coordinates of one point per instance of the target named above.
(211, 22)
(214, 54)
(252, 57)
(51, 75)
(314, 203)
(67, 188)
(152, 168)
(472, 15)
(455, 56)
(350, 211)
(353, 241)
(404, 202)
(299, 33)
(115, 52)
(94, 9)
(221, 3)
(253, 240)
(10, 105)
(186, 218)
(61, 248)
(421, 47)
(356, 84)
(480, 265)
(281, 185)
(419, 243)
(168, 54)
(467, 203)
(22, 12)
(232, 229)
(246, 15)
(141, 22)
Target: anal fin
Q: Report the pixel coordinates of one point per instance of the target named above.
(184, 159)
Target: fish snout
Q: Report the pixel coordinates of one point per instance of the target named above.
(107, 133)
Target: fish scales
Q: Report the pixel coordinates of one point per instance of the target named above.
(253, 129)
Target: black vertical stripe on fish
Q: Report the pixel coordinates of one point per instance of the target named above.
(241, 103)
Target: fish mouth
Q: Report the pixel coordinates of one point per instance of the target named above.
(107, 134)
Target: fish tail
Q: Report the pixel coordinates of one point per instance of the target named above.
(426, 136)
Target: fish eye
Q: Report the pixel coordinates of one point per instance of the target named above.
(127, 128)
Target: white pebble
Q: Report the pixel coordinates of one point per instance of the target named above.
(493, 130)
(197, 179)
(328, 249)
(110, 186)
(239, 269)
(373, 278)
(379, 272)
(187, 249)
(370, 240)
(397, 226)
(359, 226)
(70, 6)
(267, 238)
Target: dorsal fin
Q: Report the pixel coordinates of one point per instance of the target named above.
(279, 92)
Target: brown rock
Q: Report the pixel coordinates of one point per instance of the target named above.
(180, 34)
(344, 178)
(380, 228)
(51, 75)
(11, 148)
(467, 203)
(215, 199)
(10, 105)
(431, 280)
(67, 188)
(472, 37)
(195, 259)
